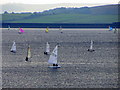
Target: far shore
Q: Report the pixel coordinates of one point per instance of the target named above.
(58, 28)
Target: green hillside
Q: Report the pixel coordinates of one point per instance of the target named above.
(6, 17)
(100, 14)
(65, 18)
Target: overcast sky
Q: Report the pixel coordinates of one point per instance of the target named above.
(41, 5)
(60, 1)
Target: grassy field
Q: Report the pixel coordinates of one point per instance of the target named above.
(59, 18)
(7, 17)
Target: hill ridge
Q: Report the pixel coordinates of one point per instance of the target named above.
(97, 14)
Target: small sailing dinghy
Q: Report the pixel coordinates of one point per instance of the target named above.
(61, 29)
(47, 30)
(110, 28)
(8, 27)
(13, 48)
(53, 58)
(115, 30)
(47, 49)
(21, 31)
(91, 47)
(28, 53)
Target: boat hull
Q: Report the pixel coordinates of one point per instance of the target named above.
(91, 50)
(55, 67)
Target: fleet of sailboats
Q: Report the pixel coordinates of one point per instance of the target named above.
(53, 58)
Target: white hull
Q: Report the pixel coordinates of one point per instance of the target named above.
(55, 66)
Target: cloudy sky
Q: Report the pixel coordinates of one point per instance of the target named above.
(59, 1)
(41, 5)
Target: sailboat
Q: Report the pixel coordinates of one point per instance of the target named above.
(28, 53)
(47, 30)
(13, 48)
(91, 47)
(115, 30)
(8, 27)
(53, 58)
(110, 28)
(61, 29)
(21, 31)
(47, 49)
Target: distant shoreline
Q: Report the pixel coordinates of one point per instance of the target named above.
(62, 25)
(58, 28)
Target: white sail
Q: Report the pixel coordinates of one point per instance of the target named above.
(60, 29)
(13, 48)
(29, 52)
(115, 30)
(91, 46)
(8, 27)
(53, 56)
(110, 28)
(47, 47)
(47, 30)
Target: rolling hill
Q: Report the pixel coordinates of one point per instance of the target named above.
(98, 14)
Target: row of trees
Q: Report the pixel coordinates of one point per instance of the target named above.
(55, 11)
(6, 12)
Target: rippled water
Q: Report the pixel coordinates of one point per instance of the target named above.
(79, 68)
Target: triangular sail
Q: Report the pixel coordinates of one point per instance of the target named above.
(110, 28)
(53, 56)
(47, 30)
(115, 30)
(13, 48)
(21, 30)
(47, 47)
(60, 29)
(29, 52)
(8, 27)
(91, 45)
